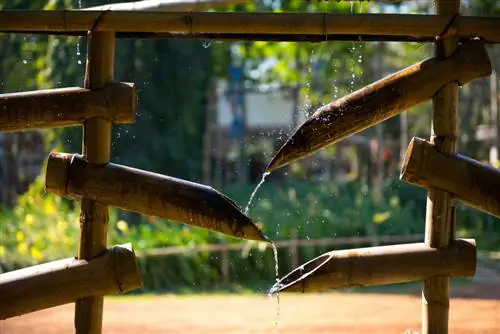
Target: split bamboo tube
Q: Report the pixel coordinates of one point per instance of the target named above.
(469, 181)
(382, 100)
(67, 107)
(380, 266)
(60, 282)
(149, 193)
(327, 26)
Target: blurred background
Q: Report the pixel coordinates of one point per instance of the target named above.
(215, 113)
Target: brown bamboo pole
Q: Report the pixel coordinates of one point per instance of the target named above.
(149, 193)
(168, 5)
(439, 213)
(406, 27)
(96, 144)
(64, 281)
(469, 181)
(67, 107)
(382, 100)
(380, 265)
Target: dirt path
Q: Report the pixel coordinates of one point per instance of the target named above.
(311, 313)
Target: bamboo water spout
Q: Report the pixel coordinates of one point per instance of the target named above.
(380, 265)
(131, 189)
(382, 100)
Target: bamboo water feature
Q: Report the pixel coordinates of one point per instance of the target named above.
(97, 182)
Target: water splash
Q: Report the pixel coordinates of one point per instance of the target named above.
(247, 208)
(206, 44)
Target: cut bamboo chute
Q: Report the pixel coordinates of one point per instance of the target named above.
(64, 281)
(149, 193)
(380, 266)
(67, 107)
(469, 181)
(382, 100)
(285, 26)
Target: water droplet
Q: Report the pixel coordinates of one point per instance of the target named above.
(25, 61)
(206, 44)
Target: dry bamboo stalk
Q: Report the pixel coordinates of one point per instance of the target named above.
(382, 100)
(328, 25)
(168, 5)
(94, 216)
(469, 181)
(67, 107)
(379, 266)
(439, 221)
(149, 193)
(60, 282)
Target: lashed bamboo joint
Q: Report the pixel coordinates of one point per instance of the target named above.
(382, 100)
(67, 107)
(64, 281)
(148, 193)
(379, 266)
(469, 181)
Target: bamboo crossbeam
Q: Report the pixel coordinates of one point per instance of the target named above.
(67, 107)
(382, 100)
(149, 193)
(168, 5)
(380, 265)
(469, 181)
(327, 26)
(64, 281)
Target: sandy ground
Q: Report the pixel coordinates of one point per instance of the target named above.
(475, 308)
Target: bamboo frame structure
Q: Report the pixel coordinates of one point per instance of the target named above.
(469, 181)
(253, 26)
(67, 107)
(380, 266)
(64, 281)
(382, 100)
(94, 216)
(131, 189)
(440, 217)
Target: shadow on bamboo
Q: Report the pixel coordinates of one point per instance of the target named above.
(148, 193)
(64, 281)
(67, 107)
(382, 100)
(380, 266)
(469, 181)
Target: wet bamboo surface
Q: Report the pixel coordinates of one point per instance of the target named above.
(67, 107)
(382, 100)
(149, 193)
(379, 266)
(64, 281)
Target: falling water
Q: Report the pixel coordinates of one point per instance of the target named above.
(270, 293)
(255, 191)
(78, 40)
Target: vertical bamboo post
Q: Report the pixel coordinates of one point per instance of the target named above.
(96, 149)
(439, 216)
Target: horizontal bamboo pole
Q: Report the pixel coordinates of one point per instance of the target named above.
(406, 27)
(380, 266)
(67, 107)
(64, 281)
(469, 181)
(382, 100)
(168, 5)
(131, 189)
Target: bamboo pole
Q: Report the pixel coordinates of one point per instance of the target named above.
(96, 144)
(382, 100)
(292, 26)
(168, 5)
(380, 265)
(469, 181)
(67, 107)
(439, 229)
(64, 281)
(149, 193)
